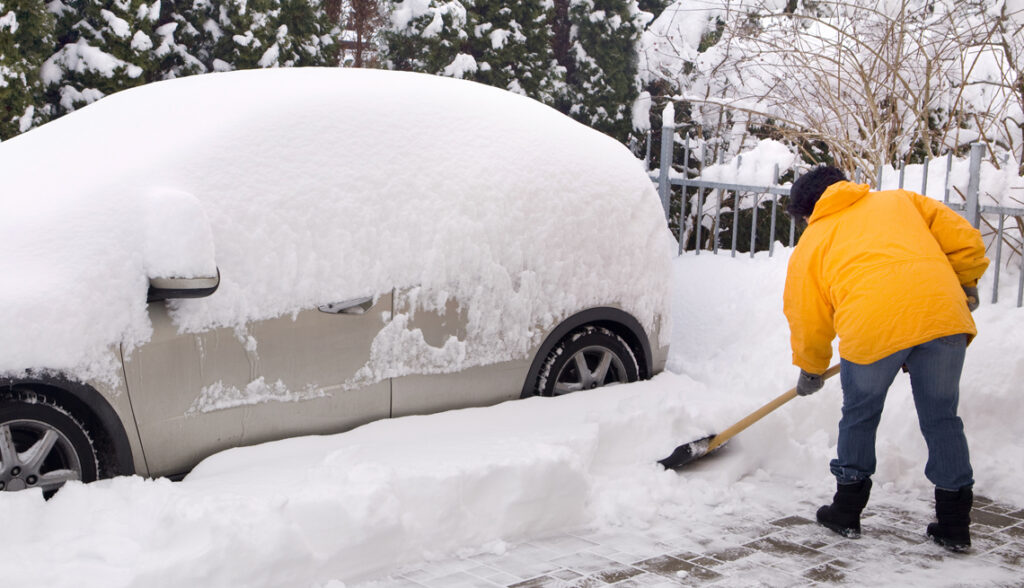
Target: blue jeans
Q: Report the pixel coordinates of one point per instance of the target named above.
(934, 369)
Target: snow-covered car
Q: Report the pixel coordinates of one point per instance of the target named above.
(233, 258)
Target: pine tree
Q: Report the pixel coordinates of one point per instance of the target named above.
(576, 55)
(105, 47)
(600, 63)
(431, 40)
(512, 43)
(272, 33)
(502, 44)
(26, 39)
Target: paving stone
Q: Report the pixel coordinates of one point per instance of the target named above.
(982, 500)
(647, 580)
(677, 568)
(617, 574)
(566, 575)
(564, 543)
(459, 580)
(502, 578)
(1003, 509)
(706, 562)
(990, 519)
(776, 552)
(538, 582)
(524, 568)
(1008, 555)
(792, 521)
(751, 574)
(665, 565)
(585, 563)
(730, 553)
(1016, 532)
(781, 547)
(826, 573)
(687, 555)
(623, 558)
(898, 536)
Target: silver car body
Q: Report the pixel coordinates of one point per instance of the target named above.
(167, 430)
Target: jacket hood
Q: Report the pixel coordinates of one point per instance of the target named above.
(837, 197)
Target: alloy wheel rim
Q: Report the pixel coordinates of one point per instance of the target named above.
(588, 368)
(34, 454)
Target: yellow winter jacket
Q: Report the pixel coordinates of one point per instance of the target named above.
(883, 270)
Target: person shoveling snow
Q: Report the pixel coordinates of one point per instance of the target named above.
(894, 274)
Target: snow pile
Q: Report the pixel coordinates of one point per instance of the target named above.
(357, 505)
(308, 186)
(311, 509)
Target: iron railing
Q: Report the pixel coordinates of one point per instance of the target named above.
(707, 214)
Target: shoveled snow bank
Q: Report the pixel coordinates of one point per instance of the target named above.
(357, 505)
(309, 186)
(348, 506)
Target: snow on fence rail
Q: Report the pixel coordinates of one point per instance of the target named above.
(708, 215)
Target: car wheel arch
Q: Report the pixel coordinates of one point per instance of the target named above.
(615, 320)
(94, 411)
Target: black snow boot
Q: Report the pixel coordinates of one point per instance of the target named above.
(843, 515)
(953, 509)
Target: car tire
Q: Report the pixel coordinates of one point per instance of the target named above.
(42, 445)
(587, 358)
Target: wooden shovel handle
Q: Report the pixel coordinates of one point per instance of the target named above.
(760, 413)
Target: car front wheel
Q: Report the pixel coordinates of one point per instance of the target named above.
(587, 358)
(42, 445)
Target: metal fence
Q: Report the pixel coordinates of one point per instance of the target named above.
(714, 216)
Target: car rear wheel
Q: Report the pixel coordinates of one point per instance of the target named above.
(42, 445)
(587, 358)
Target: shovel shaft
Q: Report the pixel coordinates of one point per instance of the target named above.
(760, 413)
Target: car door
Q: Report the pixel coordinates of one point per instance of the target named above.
(425, 393)
(196, 394)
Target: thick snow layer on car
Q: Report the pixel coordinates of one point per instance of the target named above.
(309, 186)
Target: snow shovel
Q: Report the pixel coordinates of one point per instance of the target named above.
(695, 450)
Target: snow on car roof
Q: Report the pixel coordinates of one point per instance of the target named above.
(308, 185)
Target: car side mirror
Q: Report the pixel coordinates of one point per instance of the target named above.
(172, 288)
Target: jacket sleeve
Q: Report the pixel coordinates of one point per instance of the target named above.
(810, 315)
(960, 241)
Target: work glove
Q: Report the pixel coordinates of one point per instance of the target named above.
(972, 297)
(808, 384)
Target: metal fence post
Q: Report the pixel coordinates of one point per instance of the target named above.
(924, 177)
(999, 258)
(775, 206)
(949, 168)
(971, 212)
(668, 130)
(1020, 284)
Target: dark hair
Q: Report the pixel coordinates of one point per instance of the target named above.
(808, 188)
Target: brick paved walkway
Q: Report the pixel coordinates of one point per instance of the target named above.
(787, 551)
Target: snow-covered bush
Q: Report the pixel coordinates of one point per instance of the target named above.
(856, 82)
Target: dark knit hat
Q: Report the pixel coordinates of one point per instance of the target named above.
(808, 188)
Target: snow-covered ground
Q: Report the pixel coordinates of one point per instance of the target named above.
(352, 507)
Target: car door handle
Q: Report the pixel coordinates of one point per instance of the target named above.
(354, 306)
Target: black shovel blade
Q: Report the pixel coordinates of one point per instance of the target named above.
(686, 453)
